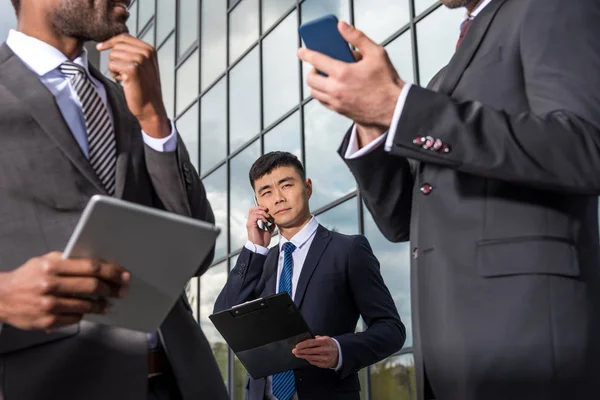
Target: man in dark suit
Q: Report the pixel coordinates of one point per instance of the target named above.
(493, 172)
(333, 279)
(68, 133)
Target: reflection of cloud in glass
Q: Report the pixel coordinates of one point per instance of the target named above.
(285, 136)
(379, 19)
(436, 37)
(243, 28)
(148, 37)
(342, 218)
(213, 126)
(146, 11)
(242, 195)
(394, 259)
(188, 25)
(216, 191)
(187, 81)
(272, 10)
(213, 40)
(132, 20)
(165, 19)
(8, 20)
(211, 284)
(323, 134)
(244, 101)
(400, 53)
(313, 9)
(280, 70)
(187, 126)
(166, 60)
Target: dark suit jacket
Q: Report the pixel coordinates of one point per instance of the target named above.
(340, 281)
(45, 182)
(505, 269)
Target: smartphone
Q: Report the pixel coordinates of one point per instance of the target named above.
(269, 226)
(322, 35)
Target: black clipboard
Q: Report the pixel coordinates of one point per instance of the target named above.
(263, 332)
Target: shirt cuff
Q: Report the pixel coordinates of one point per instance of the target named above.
(396, 118)
(340, 358)
(256, 248)
(163, 145)
(354, 152)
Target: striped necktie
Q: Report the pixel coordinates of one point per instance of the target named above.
(100, 132)
(284, 385)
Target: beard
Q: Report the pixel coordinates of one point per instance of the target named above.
(457, 3)
(88, 20)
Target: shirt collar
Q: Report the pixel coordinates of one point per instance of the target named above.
(478, 9)
(39, 56)
(300, 238)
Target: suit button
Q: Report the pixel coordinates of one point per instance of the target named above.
(419, 140)
(243, 264)
(415, 253)
(186, 167)
(426, 189)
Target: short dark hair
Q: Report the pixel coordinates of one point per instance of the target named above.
(275, 159)
(17, 5)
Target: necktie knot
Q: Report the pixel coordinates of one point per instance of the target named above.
(71, 69)
(289, 247)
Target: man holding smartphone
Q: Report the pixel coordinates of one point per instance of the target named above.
(333, 279)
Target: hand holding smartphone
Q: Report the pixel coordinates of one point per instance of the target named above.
(269, 226)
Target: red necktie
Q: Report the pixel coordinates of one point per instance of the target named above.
(463, 30)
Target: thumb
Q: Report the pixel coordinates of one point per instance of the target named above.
(356, 38)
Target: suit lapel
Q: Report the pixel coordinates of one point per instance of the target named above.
(37, 99)
(271, 271)
(317, 247)
(468, 47)
(122, 128)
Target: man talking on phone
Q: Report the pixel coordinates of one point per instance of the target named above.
(68, 133)
(333, 279)
(493, 173)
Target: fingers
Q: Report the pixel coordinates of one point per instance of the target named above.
(58, 321)
(87, 268)
(62, 305)
(259, 213)
(122, 39)
(309, 343)
(122, 70)
(321, 62)
(357, 38)
(319, 82)
(81, 286)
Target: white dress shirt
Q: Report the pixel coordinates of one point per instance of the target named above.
(44, 60)
(302, 240)
(388, 138)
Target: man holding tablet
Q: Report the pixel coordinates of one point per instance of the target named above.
(68, 133)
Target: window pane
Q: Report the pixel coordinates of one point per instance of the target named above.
(165, 19)
(422, 5)
(211, 284)
(394, 378)
(213, 37)
(191, 291)
(323, 132)
(187, 126)
(8, 20)
(394, 259)
(188, 24)
(436, 37)
(243, 28)
(400, 53)
(213, 126)
(244, 101)
(216, 192)
(187, 82)
(272, 10)
(379, 19)
(132, 20)
(242, 195)
(342, 218)
(239, 376)
(166, 61)
(146, 11)
(280, 70)
(148, 37)
(285, 136)
(313, 9)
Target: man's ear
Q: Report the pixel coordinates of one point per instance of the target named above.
(308, 184)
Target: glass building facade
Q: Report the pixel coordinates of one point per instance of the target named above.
(233, 83)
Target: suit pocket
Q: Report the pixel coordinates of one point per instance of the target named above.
(527, 255)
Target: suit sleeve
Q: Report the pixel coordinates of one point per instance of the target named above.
(179, 187)
(245, 282)
(554, 146)
(385, 334)
(385, 183)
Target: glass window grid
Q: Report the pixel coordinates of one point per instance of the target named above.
(233, 253)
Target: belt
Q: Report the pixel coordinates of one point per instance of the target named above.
(157, 362)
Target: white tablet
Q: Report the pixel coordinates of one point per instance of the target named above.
(162, 251)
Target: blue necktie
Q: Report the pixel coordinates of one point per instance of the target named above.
(284, 386)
